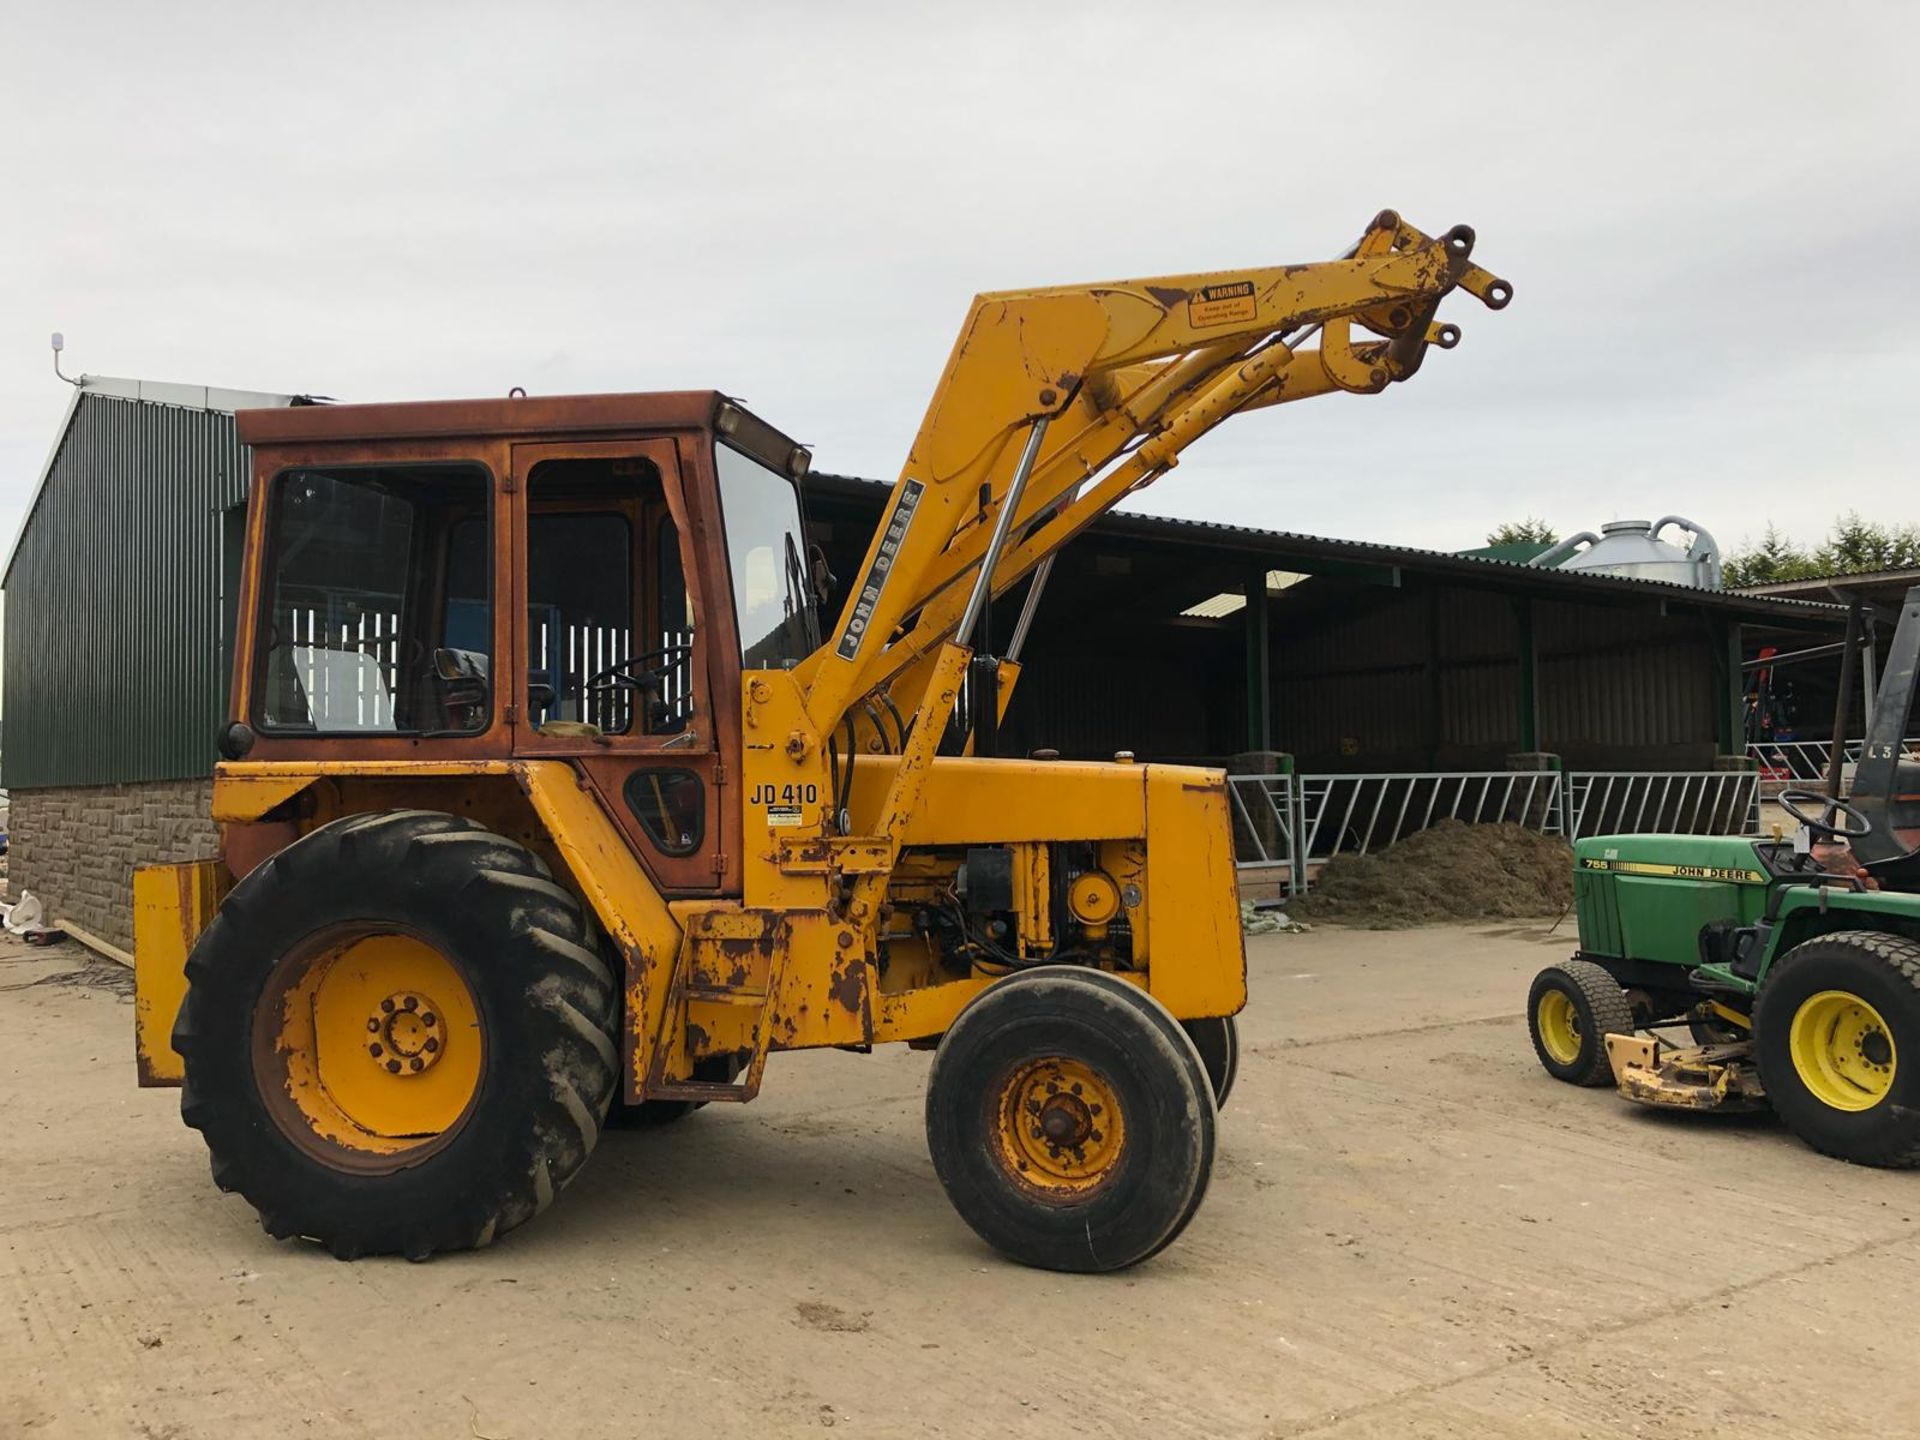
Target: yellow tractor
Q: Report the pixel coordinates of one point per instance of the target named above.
(547, 802)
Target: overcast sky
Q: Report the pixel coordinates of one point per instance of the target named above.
(1707, 211)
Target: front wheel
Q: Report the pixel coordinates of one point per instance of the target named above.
(1071, 1120)
(1571, 1009)
(1218, 1042)
(1837, 1037)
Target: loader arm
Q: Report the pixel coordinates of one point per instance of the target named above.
(1058, 403)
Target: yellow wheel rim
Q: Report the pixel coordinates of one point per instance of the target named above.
(1559, 1025)
(1842, 1050)
(1060, 1129)
(369, 1052)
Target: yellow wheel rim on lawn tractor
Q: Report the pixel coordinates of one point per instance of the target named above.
(1559, 1026)
(1060, 1129)
(1842, 1050)
(368, 1052)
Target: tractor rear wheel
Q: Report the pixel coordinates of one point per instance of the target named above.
(1571, 1010)
(398, 1036)
(1071, 1120)
(1218, 1041)
(1837, 1038)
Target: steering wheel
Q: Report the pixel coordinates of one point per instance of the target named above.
(644, 672)
(1828, 808)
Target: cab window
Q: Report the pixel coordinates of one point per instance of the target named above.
(377, 598)
(767, 561)
(609, 626)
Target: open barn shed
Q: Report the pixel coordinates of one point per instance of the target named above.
(1182, 639)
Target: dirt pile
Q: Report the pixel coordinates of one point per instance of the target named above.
(1450, 871)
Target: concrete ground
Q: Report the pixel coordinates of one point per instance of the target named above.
(1412, 1232)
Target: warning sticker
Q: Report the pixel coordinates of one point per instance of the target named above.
(1228, 304)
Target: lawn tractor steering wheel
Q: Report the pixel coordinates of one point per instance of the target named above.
(1829, 807)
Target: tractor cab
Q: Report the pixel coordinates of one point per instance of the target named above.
(1792, 961)
(493, 581)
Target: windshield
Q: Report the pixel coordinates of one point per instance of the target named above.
(377, 615)
(766, 555)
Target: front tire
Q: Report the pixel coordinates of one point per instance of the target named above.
(1837, 1038)
(398, 1036)
(1218, 1042)
(1071, 1120)
(1571, 1009)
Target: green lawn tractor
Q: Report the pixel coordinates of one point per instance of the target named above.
(1793, 962)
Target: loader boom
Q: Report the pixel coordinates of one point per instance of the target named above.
(1056, 404)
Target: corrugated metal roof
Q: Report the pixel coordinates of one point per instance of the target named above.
(1269, 544)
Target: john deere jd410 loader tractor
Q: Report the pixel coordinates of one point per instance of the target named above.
(548, 799)
(1794, 961)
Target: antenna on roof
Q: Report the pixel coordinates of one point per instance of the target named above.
(59, 344)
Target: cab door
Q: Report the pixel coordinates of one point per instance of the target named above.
(613, 645)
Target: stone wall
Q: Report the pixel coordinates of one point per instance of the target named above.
(75, 848)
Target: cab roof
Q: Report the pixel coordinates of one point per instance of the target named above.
(544, 415)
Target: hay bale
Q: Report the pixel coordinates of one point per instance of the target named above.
(1450, 871)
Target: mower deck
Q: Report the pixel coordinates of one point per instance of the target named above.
(1698, 1077)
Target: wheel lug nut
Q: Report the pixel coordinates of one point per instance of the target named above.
(432, 1045)
(373, 1026)
(387, 1005)
(375, 1050)
(427, 1019)
(418, 1063)
(393, 1067)
(411, 1003)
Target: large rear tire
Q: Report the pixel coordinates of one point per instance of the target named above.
(1071, 1120)
(1837, 1038)
(398, 1036)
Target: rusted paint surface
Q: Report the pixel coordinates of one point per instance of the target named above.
(537, 417)
(246, 847)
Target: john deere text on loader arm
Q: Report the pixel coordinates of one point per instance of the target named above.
(547, 805)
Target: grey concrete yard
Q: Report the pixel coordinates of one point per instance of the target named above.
(1412, 1232)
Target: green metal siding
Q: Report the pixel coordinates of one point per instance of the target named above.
(113, 620)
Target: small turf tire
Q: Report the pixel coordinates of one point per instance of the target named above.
(1837, 1039)
(1218, 1041)
(1071, 1120)
(1571, 1009)
(399, 1036)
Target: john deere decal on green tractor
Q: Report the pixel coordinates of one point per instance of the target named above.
(1794, 963)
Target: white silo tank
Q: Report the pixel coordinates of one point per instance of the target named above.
(1633, 548)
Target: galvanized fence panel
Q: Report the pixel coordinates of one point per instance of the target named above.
(1265, 821)
(1805, 761)
(1360, 813)
(1668, 802)
(1295, 823)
